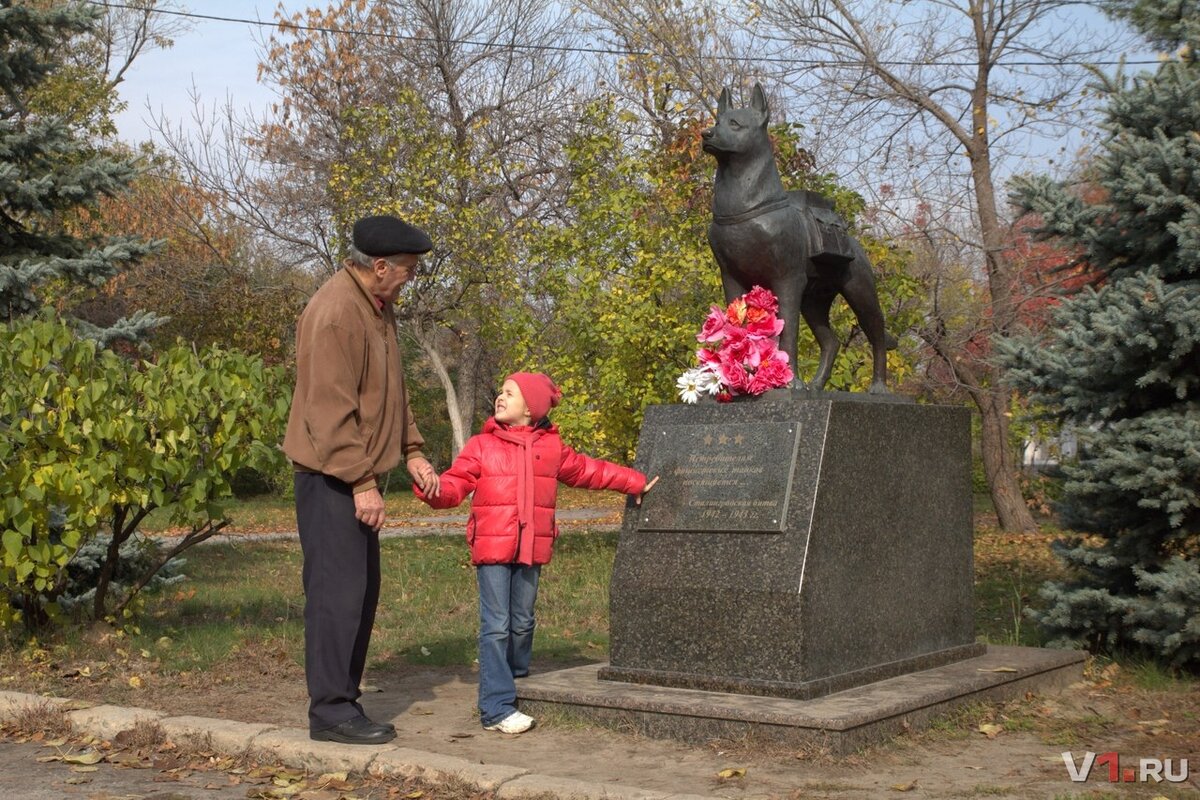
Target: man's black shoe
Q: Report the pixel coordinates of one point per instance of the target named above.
(390, 726)
(359, 730)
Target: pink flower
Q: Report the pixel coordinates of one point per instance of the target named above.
(706, 356)
(760, 351)
(771, 375)
(758, 297)
(714, 326)
(769, 326)
(737, 346)
(734, 376)
(740, 352)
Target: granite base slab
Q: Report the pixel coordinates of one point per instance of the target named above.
(841, 723)
(796, 691)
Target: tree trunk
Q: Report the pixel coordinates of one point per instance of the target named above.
(993, 402)
(998, 466)
(429, 346)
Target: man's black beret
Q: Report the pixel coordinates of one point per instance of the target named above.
(383, 235)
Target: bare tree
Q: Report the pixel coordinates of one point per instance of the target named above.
(955, 87)
(127, 31)
(669, 60)
(374, 99)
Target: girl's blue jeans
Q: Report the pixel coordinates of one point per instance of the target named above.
(507, 593)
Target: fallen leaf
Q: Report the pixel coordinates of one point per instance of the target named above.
(998, 669)
(84, 768)
(86, 757)
(124, 759)
(414, 794)
(904, 787)
(135, 682)
(53, 742)
(424, 650)
(732, 772)
(990, 731)
(326, 777)
(420, 712)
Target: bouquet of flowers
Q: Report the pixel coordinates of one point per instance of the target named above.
(739, 351)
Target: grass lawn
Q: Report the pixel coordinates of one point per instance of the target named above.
(248, 594)
(278, 513)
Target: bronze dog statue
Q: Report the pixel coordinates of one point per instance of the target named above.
(792, 243)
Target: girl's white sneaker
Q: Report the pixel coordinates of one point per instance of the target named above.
(515, 722)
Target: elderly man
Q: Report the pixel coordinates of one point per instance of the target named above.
(350, 424)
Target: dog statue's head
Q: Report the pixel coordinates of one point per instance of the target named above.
(738, 130)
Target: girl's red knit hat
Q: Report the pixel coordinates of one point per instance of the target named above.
(539, 392)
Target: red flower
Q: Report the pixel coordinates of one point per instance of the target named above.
(769, 375)
(769, 326)
(758, 297)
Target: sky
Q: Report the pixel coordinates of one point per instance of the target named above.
(218, 59)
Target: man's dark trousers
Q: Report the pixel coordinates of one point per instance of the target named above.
(341, 591)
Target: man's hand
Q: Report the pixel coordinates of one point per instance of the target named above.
(648, 487)
(369, 508)
(425, 476)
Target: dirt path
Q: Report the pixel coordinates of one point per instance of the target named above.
(433, 710)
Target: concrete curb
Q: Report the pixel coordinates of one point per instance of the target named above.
(292, 747)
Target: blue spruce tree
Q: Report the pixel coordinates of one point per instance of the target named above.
(1121, 362)
(48, 168)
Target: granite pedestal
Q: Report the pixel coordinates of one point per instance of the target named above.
(796, 546)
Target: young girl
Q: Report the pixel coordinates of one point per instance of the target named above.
(513, 466)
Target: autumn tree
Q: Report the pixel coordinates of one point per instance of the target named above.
(945, 90)
(209, 279)
(449, 113)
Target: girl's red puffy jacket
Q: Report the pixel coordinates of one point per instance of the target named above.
(514, 472)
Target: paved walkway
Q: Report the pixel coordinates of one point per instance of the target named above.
(293, 747)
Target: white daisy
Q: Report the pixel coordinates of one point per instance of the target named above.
(688, 385)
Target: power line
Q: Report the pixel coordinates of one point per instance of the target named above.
(588, 50)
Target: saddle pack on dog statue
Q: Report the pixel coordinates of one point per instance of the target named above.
(833, 246)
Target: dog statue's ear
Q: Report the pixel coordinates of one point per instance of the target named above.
(758, 101)
(723, 101)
